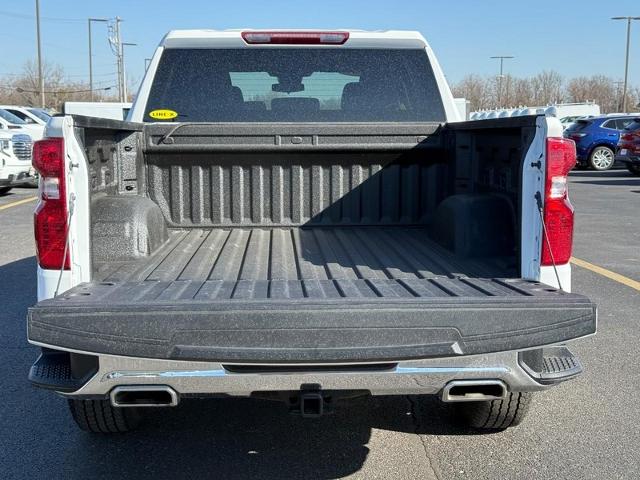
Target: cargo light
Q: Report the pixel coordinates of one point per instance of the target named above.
(50, 217)
(558, 211)
(296, 38)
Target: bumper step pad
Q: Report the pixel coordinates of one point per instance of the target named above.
(551, 364)
(52, 370)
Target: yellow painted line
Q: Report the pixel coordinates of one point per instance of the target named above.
(19, 202)
(607, 273)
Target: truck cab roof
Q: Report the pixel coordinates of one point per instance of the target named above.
(203, 38)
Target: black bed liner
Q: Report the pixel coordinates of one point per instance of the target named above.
(307, 295)
(258, 254)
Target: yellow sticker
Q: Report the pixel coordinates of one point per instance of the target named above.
(163, 114)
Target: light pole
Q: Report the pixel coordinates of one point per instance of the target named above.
(617, 85)
(40, 77)
(91, 56)
(626, 62)
(147, 62)
(502, 59)
(124, 75)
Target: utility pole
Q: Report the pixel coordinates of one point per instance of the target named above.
(124, 75)
(91, 56)
(501, 76)
(116, 47)
(626, 62)
(119, 57)
(40, 76)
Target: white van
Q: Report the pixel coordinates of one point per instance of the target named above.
(113, 110)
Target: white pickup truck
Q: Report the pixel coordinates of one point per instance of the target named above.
(299, 215)
(10, 123)
(15, 160)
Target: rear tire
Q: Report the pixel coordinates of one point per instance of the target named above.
(634, 169)
(99, 416)
(5, 190)
(495, 414)
(601, 159)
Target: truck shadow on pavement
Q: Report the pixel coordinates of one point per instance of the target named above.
(201, 438)
(248, 438)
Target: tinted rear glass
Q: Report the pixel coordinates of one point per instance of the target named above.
(42, 115)
(633, 126)
(11, 118)
(294, 85)
(579, 125)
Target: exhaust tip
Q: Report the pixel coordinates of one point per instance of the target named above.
(474, 391)
(144, 396)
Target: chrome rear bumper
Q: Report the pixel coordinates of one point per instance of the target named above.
(195, 379)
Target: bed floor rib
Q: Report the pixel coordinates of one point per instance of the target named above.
(352, 262)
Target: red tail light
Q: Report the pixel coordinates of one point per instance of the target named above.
(50, 219)
(296, 38)
(558, 211)
(631, 136)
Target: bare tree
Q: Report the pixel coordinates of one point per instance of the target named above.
(635, 96)
(475, 89)
(23, 89)
(543, 89)
(523, 92)
(598, 88)
(515, 92)
(547, 88)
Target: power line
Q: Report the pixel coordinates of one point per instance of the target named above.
(24, 16)
(65, 76)
(55, 92)
(84, 75)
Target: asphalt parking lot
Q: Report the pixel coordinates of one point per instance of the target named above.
(587, 428)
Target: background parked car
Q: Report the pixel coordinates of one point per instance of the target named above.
(12, 124)
(15, 160)
(629, 147)
(597, 139)
(30, 115)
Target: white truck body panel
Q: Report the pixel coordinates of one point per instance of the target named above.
(79, 222)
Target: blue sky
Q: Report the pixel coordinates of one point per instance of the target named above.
(572, 37)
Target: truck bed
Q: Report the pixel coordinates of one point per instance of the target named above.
(347, 261)
(307, 295)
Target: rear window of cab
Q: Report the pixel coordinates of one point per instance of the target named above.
(294, 85)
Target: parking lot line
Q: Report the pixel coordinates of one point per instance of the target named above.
(607, 273)
(19, 202)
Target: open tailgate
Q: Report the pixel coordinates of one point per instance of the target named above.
(289, 321)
